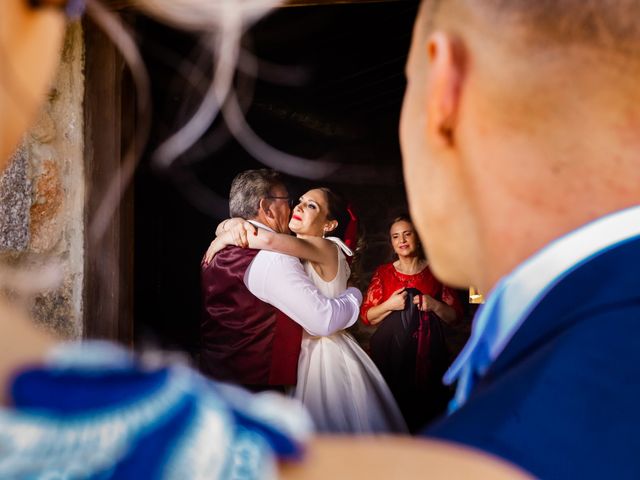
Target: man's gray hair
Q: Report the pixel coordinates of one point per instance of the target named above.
(248, 188)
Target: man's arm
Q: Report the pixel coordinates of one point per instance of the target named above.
(281, 281)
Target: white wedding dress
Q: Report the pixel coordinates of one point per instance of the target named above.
(337, 381)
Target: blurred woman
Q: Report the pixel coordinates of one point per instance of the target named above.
(412, 309)
(90, 410)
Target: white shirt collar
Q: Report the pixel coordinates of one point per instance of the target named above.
(517, 294)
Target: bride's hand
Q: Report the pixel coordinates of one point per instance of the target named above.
(216, 245)
(240, 231)
(237, 235)
(228, 224)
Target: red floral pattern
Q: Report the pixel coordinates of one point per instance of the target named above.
(387, 280)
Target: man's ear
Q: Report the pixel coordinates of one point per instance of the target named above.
(265, 207)
(446, 78)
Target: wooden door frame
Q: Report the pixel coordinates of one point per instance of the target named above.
(108, 114)
(126, 4)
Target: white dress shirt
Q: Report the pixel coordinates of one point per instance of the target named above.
(280, 280)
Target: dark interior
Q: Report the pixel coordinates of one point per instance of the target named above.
(346, 65)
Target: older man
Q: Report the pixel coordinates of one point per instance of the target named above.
(257, 302)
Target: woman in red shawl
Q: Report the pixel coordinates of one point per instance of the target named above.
(413, 312)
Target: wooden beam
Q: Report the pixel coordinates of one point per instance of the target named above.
(126, 4)
(108, 309)
(308, 3)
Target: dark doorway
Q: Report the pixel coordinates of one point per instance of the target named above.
(348, 61)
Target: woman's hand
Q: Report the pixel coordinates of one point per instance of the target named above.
(397, 300)
(234, 235)
(239, 232)
(425, 303)
(228, 224)
(216, 245)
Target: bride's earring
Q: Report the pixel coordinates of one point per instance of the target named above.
(324, 232)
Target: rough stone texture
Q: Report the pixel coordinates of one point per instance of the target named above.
(42, 196)
(15, 199)
(48, 202)
(54, 311)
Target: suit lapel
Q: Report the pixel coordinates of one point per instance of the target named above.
(606, 279)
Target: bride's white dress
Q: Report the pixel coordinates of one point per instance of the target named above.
(337, 381)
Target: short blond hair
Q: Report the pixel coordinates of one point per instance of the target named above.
(611, 25)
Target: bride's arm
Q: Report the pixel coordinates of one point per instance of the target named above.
(244, 234)
(314, 249)
(231, 231)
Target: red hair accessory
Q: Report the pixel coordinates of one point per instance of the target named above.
(351, 232)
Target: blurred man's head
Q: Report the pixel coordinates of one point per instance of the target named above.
(521, 121)
(261, 195)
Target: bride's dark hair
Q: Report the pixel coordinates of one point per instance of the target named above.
(336, 210)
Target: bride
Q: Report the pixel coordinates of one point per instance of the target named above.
(337, 381)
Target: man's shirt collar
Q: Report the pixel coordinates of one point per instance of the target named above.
(517, 294)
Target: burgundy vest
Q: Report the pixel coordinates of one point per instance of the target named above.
(243, 339)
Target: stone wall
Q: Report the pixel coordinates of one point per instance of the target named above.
(42, 196)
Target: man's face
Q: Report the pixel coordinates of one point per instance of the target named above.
(430, 170)
(280, 208)
(413, 129)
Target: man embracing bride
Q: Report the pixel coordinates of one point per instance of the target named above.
(336, 380)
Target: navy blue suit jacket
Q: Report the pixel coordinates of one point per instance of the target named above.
(563, 399)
